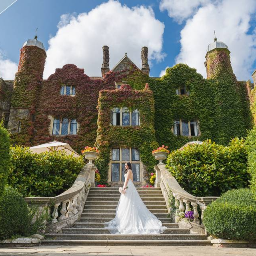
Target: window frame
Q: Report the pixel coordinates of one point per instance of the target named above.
(60, 129)
(121, 162)
(121, 116)
(189, 128)
(178, 91)
(72, 89)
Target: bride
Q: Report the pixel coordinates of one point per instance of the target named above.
(132, 215)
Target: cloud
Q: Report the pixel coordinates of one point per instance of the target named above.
(7, 68)
(181, 9)
(231, 19)
(80, 38)
(162, 73)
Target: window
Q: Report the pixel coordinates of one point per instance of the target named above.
(186, 128)
(68, 90)
(119, 84)
(182, 91)
(64, 127)
(119, 157)
(125, 117)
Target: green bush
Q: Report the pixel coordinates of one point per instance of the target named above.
(251, 146)
(232, 216)
(210, 169)
(14, 214)
(4, 156)
(45, 174)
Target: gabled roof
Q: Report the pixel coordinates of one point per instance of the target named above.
(124, 64)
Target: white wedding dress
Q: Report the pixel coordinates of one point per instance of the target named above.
(132, 215)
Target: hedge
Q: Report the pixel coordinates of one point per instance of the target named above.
(45, 174)
(232, 216)
(210, 169)
(4, 156)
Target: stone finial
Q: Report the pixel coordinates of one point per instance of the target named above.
(144, 58)
(105, 64)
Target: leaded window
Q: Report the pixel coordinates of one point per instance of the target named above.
(68, 90)
(125, 117)
(64, 127)
(186, 128)
(119, 157)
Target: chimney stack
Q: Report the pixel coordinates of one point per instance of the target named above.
(105, 64)
(144, 58)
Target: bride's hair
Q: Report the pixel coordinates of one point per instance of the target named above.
(129, 167)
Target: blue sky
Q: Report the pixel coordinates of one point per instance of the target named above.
(176, 31)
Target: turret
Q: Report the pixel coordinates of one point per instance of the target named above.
(217, 60)
(27, 85)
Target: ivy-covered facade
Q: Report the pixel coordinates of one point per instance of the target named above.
(125, 113)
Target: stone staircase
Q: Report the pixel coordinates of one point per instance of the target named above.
(100, 207)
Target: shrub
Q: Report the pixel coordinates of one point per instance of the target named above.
(232, 216)
(45, 174)
(4, 156)
(210, 169)
(251, 146)
(14, 214)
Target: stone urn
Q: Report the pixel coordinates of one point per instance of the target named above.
(91, 155)
(160, 156)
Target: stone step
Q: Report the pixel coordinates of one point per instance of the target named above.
(125, 237)
(112, 215)
(111, 202)
(116, 198)
(106, 219)
(89, 211)
(116, 192)
(116, 188)
(79, 224)
(113, 207)
(106, 231)
(118, 195)
(128, 242)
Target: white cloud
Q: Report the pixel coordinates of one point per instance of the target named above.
(181, 9)
(79, 39)
(231, 21)
(7, 68)
(162, 73)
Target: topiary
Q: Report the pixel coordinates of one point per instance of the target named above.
(4, 156)
(232, 216)
(210, 169)
(14, 214)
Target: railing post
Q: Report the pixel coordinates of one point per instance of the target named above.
(158, 178)
(196, 214)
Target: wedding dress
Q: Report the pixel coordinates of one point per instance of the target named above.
(132, 215)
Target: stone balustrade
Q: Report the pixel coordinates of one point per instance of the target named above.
(67, 207)
(178, 201)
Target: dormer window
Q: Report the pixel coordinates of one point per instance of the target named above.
(186, 128)
(125, 117)
(68, 90)
(182, 91)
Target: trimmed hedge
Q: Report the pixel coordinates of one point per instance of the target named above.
(45, 174)
(210, 169)
(232, 216)
(251, 146)
(14, 214)
(4, 156)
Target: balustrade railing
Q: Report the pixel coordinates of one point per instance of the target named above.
(67, 207)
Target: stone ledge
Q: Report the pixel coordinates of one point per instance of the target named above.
(34, 240)
(232, 243)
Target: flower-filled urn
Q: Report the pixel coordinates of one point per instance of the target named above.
(161, 153)
(90, 153)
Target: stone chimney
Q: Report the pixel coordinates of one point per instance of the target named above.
(144, 58)
(105, 64)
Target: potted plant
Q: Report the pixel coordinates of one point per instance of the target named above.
(90, 153)
(161, 153)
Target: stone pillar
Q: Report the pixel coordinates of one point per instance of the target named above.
(105, 64)
(144, 58)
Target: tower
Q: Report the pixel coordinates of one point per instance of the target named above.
(26, 91)
(217, 59)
